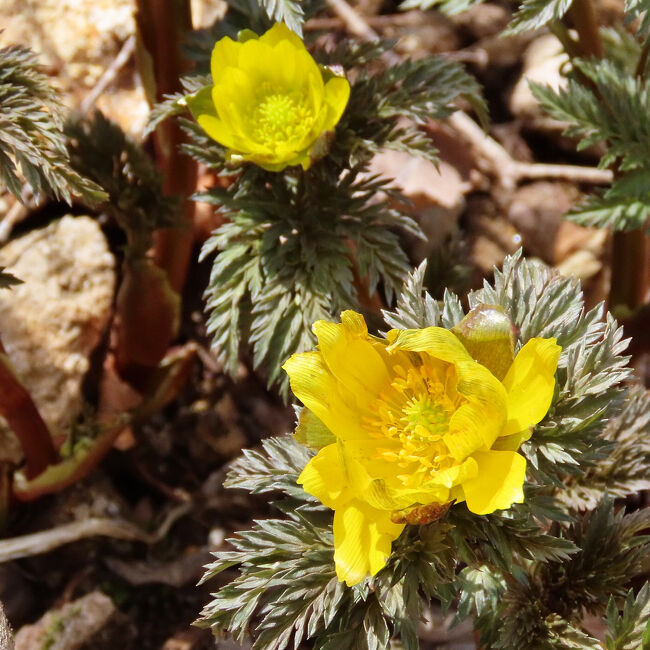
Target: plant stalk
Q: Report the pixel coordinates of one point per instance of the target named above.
(630, 253)
(21, 414)
(162, 27)
(585, 22)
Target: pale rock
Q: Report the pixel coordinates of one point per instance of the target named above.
(70, 627)
(538, 210)
(437, 194)
(77, 40)
(6, 637)
(74, 37)
(52, 322)
(544, 61)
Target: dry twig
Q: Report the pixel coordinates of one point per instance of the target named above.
(109, 75)
(508, 171)
(48, 540)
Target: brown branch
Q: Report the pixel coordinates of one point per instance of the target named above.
(583, 17)
(48, 540)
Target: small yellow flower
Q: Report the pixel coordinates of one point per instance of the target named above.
(270, 104)
(414, 423)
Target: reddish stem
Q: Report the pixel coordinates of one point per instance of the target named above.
(20, 412)
(630, 262)
(162, 27)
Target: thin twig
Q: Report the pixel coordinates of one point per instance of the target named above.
(354, 21)
(109, 75)
(508, 171)
(17, 212)
(48, 540)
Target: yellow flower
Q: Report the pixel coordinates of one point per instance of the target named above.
(414, 423)
(270, 104)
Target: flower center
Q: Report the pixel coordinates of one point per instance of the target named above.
(413, 416)
(424, 417)
(280, 116)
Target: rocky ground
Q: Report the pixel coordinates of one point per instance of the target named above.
(488, 197)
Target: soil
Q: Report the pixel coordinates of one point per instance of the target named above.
(179, 455)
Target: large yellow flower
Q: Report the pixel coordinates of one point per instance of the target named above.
(408, 424)
(270, 103)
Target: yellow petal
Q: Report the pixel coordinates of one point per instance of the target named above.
(457, 474)
(280, 32)
(530, 383)
(218, 131)
(224, 55)
(362, 541)
(351, 357)
(315, 386)
(513, 441)
(498, 484)
(438, 342)
(234, 91)
(477, 423)
(324, 477)
(337, 94)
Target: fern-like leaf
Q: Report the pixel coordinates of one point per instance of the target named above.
(31, 138)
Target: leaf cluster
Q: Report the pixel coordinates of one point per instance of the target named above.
(128, 176)
(543, 607)
(623, 471)
(611, 107)
(629, 629)
(31, 138)
(535, 14)
(298, 246)
(528, 573)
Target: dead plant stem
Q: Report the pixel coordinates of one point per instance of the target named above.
(508, 171)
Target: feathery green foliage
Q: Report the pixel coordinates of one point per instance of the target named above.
(298, 246)
(629, 630)
(128, 176)
(31, 138)
(613, 110)
(543, 607)
(289, 12)
(624, 470)
(526, 573)
(535, 14)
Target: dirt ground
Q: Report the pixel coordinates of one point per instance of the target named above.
(103, 592)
